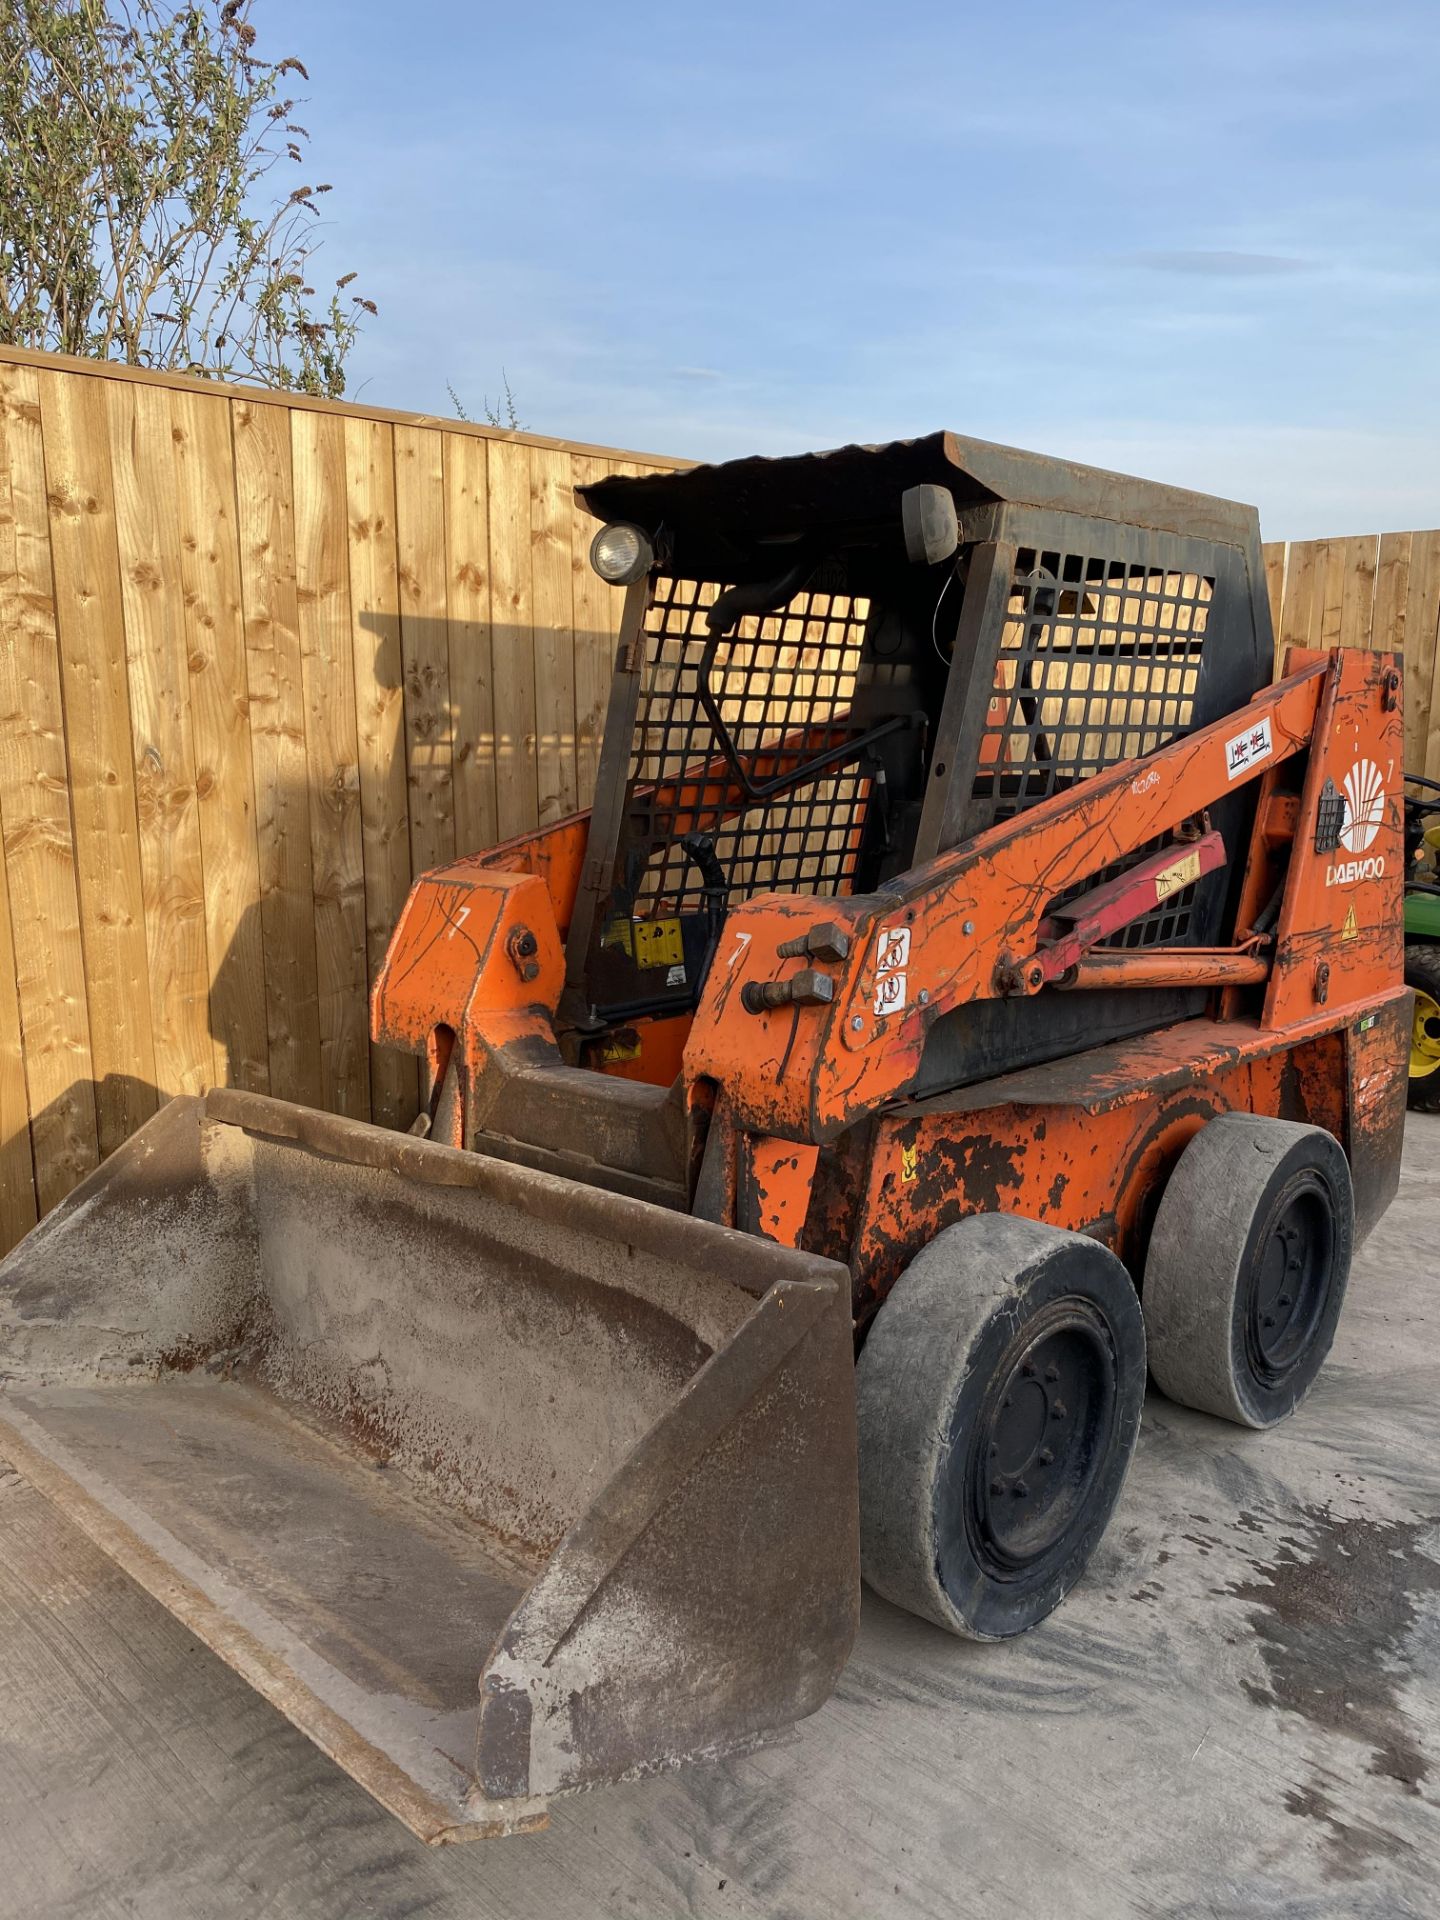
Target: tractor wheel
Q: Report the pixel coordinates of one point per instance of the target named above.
(1247, 1266)
(999, 1398)
(1422, 972)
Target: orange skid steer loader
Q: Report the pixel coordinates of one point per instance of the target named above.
(970, 959)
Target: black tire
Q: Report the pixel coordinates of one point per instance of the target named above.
(1422, 972)
(1246, 1272)
(999, 1398)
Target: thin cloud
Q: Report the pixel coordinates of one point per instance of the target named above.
(1219, 263)
(697, 373)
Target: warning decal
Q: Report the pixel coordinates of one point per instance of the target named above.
(892, 949)
(1181, 873)
(1248, 749)
(892, 956)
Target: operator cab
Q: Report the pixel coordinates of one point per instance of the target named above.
(838, 665)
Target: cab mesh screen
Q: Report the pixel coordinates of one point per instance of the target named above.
(777, 678)
(1099, 662)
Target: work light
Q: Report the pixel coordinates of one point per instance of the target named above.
(621, 554)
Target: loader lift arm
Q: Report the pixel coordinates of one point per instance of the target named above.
(967, 926)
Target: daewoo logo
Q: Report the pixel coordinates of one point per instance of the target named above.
(1364, 812)
(1364, 806)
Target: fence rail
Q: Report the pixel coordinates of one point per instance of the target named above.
(262, 659)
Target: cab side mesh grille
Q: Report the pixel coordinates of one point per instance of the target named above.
(1099, 662)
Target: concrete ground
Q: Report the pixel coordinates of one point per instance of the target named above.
(1237, 1714)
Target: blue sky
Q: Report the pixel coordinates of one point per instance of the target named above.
(1200, 243)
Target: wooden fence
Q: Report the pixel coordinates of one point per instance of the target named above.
(1368, 590)
(261, 660)
(264, 658)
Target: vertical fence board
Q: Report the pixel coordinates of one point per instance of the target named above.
(1358, 556)
(424, 644)
(597, 627)
(472, 681)
(1392, 586)
(1328, 607)
(1301, 613)
(1389, 623)
(220, 710)
(38, 842)
(1275, 586)
(512, 638)
(553, 611)
(275, 672)
(1422, 631)
(380, 726)
(322, 578)
(171, 867)
(17, 1171)
(97, 729)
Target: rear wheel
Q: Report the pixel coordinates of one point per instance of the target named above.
(1422, 972)
(1247, 1266)
(999, 1398)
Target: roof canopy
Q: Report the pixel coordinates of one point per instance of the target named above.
(740, 502)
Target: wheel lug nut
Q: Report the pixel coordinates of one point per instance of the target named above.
(997, 1486)
(1284, 1299)
(1052, 1373)
(1059, 1410)
(1269, 1320)
(1045, 1456)
(1020, 1490)
(1028, 1369)
(1005, 1403)
(994, 1448)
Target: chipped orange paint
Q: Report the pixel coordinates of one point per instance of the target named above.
(1084, 1144)
(774, 1187)
(476, 955)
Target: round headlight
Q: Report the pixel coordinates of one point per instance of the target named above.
(621, 554)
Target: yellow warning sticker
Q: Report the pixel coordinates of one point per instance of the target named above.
(1352, 926)
(909, 1163)
(658, 943)
(1180, 873)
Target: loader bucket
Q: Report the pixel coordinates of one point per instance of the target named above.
(497, 1485)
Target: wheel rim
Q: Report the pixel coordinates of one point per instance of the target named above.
(1042, 1437)
(1291, 1270)
(1425, 1036)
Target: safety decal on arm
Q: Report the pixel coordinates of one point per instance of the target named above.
(1248, 749)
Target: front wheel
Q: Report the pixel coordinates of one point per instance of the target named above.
(999, 1398)
(1422, 973)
